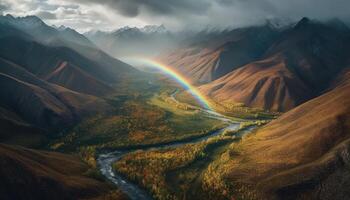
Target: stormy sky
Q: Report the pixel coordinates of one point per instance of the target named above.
(85, 15)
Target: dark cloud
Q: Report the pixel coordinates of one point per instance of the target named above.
(225, 12)
(175, 14)
(3, 7)
(133, 8)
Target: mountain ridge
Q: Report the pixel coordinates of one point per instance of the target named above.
(312, 55)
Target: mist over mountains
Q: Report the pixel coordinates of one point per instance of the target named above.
(311, 53)
(130, 41)
(66, 91)
(211, 55)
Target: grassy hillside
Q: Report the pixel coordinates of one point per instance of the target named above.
(266, 84)
(137, 120)
(32, 174)
(40, 103)
(301, 154)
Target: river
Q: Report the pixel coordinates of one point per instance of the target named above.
(135, 192)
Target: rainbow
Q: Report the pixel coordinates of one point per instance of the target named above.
(180, 79)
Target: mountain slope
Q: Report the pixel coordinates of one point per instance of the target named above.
(316, 51)
(46, 42)
(42, 60)
(32, 174)
(304, 154)
(265, 84)
(215, 55)
(15, 130)
(72, 77)
(51, 86)
(85, 74)
(43, 104)
(300, 65)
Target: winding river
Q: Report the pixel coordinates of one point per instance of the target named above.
(106, 160)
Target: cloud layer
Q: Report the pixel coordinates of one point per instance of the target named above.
(175, 14)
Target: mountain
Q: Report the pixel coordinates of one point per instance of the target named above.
(127, 31)
(264, 84)
(316, 51)
(50, 80)
(304, 154)
(47, 88)
(208, 56)
(299, 65)
(32, 28)
(33, 174)
(72, 35)
(71, 76)
(35, 27)
(46, 62)
(87, 66)
(133, 41)
(43, 104)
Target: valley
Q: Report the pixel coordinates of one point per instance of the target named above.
(257, 111)
(157, 123)
(149, 165)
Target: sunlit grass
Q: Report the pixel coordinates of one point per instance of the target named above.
(230, 109)
(153, 117)
(189, 171)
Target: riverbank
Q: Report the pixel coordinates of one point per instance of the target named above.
(130, 184)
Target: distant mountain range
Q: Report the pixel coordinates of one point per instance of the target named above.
(131, 41)
(36, 28)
